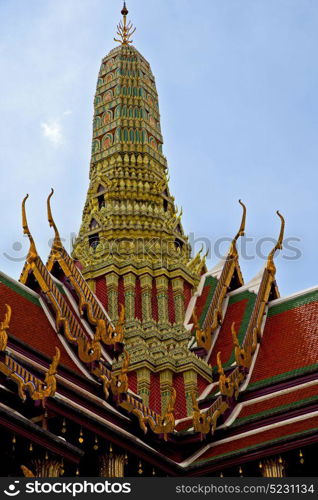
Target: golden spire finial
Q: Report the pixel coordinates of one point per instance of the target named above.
(124, 30)
(32, 251)
(279, 244)
(241, 230)
(57, 240)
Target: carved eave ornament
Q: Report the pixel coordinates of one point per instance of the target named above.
(104, 330)
(213, 317)
(230, 385)
(28, 383)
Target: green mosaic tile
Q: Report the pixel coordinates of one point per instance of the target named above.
(210, 282)
(251, 298)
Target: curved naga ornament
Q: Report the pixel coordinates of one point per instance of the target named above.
(203, 336)
(201, 421)
(37, 389)
(213, 317)
(243, 357)
(50, 378)
(105, 332)
(253, 332)
(205, 422)
(4, 326)
(111, 334)
(118, 383)
(225, 384)
(89, 350)
(163, 424)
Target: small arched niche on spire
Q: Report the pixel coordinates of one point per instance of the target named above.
(101, 196)
(93, 240)
(93, 224)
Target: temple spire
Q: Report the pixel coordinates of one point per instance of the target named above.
(124, 30)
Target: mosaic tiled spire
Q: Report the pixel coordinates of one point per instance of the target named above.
(130, 215)
(131, 243)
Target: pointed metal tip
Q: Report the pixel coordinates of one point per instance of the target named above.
(124, 10)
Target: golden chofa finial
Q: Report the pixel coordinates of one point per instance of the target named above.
(57, 240)
(241, 230)
(124, 30)
(279, 245)
(32, 255)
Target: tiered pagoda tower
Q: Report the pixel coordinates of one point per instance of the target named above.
(131, 246)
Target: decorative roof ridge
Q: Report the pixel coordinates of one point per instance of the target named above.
(293, 295)
(29, 383)
(246, 352)
(215, 313)
(38, 357)
(96, 314)
(89, 350)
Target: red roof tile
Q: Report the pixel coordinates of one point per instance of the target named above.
(30, 324)
(278, 401)
(180, 405)
(224, 342)
(259, 439)
(289, 345)
(204, 300)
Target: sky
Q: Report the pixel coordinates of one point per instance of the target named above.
(237, 84)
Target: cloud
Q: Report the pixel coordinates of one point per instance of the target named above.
(53, 132)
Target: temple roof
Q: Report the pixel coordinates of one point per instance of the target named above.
(139, 345)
